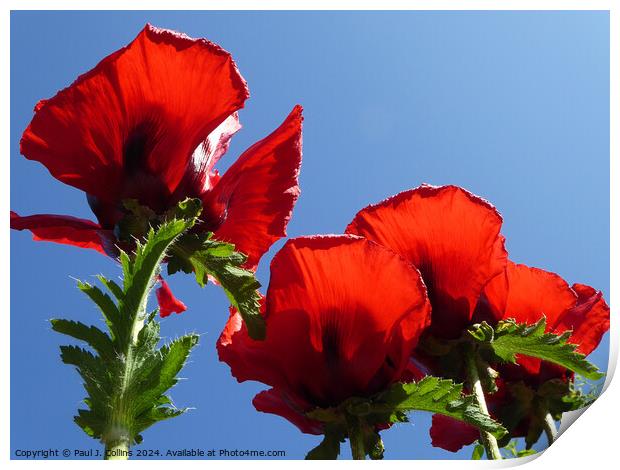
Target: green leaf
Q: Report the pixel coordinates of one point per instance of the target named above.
(437, 395)
(329, 448)
(108, 308)
(113, 287)
(76, 356)
(126, 380)
(511, 338)
(91, 335)
(140, 275)
(163, 370)
(359, 418)
(208, 257)
(241, 288)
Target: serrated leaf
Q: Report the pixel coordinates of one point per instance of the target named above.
(149, 335)
(513, 338)
(91, 335)
(127, 379)
(162, 371)
(208, 257)
(440, 396)
(113, 287)
(241, 288)
(76, 356)
(140, 275)
(108, 308)
(92, 424)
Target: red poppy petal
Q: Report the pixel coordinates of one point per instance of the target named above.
(451, 434)
(168, 303)
(63, 229)
(451, 236)
(525, 294)
(145, 107)
(276, 402)
(199, 176)
(257, 193)
(588, 319)
(248, 359)
(362, 306)
(338, 316)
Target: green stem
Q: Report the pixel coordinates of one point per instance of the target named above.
(486, 438)
(356, 439)
(117, 450)
(117, 439)
(550, 429)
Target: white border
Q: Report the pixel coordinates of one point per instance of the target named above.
(601, 420)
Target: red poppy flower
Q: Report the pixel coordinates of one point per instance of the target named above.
(149, 122)
(342, 316)
(451, 236)
(524, 294)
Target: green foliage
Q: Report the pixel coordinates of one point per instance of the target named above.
(200, 253)
(205, 256)
(363, 416)
(126, 376)
(441, 396)
(509, 338)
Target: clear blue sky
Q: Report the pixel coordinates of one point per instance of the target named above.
(513, 106)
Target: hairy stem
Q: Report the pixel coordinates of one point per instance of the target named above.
(487, 439)
(550, 429)
(117, 439)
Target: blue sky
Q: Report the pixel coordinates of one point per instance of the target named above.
(513, 106)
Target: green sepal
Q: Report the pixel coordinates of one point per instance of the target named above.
(478, 452)
(373, 443)
(510, 338)
(555, 396)
(136, 221)
(189, 208)
(329, 448)
(512, 452)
